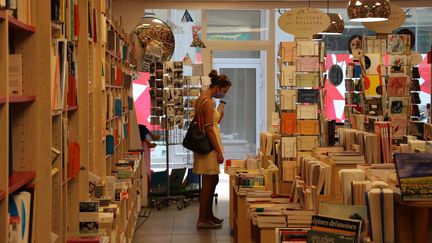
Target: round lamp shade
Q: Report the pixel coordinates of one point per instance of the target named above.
(368, 10)
(154, 42)
(336, 26)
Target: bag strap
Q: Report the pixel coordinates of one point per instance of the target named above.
(199, 111)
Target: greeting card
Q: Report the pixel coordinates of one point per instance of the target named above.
(372, 85)
(308, 64)
(397, 86)
(399, 44)
(307, 48)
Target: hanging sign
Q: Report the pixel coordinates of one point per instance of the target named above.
(396, 19)
(304, 22)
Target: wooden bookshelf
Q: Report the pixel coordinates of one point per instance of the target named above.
(2, 195)
(36, 126)
(21, 98)
(17, 25)
(72, 108)
(112, 119)
(113, 86)
(19, 179)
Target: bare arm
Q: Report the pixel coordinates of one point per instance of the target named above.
(208, 109)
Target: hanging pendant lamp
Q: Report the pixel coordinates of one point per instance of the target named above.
(337, 24)
(368, 10)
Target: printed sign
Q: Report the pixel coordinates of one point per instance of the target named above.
(304, 22)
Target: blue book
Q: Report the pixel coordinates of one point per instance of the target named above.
(125, 130)
(118, 110)
(109, 142)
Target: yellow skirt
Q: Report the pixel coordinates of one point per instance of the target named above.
(206, 164)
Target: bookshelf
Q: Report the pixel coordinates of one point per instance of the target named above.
(58, 138)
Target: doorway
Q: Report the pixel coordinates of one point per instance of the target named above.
(245, 110)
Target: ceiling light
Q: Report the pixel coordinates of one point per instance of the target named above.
(337, 25)
(368, 10)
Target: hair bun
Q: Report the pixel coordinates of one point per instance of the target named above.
(213, 74)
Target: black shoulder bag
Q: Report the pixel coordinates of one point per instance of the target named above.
(196, 139)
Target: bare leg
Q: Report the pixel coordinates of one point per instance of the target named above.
(205, 194)
(215, 181)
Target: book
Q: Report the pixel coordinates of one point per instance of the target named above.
(349, 227)
(307, 64)
(414, 172)
(20, 207)
(397, 86)
(399, 106)
(373, 106)
(15, 74)
(308, 95)
(287, 235)
(322, 236)
(288, 122)
(372, 85)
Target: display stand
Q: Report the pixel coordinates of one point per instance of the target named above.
(168, 93)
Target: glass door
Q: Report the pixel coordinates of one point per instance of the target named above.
(245, 108)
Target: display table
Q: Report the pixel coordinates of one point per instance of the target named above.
(241, 218)
(412, 221)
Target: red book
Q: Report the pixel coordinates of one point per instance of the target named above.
(288, 123)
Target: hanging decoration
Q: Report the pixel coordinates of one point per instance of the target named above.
(368, 10)
(187, 60)
(395, 20)
(197, 42)
(337, 24)
(186, 17)
(155, 41)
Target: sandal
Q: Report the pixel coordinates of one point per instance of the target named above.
(216, 220)
(208, 225)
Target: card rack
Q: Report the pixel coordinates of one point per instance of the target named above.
(354, 110)
(300, 64)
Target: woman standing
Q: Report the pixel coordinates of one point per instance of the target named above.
(208, 164)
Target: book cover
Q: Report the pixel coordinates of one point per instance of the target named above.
(307, 111)
(287, 49)
(373, 62)
(372, 85)
(288, 122)
(314, 236)
(373, 106)
(414, 172)
(308, 64)
(397, 86)
(349, 227)
(308, 95)
(308, 127)
(398, 106)
(288, 99)
(307, 79)
(398, 44)
(307, 48)
(288, 76)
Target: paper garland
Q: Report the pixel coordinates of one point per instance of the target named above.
(187, 60)
(186, 17)
(197, 42)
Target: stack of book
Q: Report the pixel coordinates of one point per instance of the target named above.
(299, 218)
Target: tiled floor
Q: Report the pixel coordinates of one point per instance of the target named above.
(179, 226)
